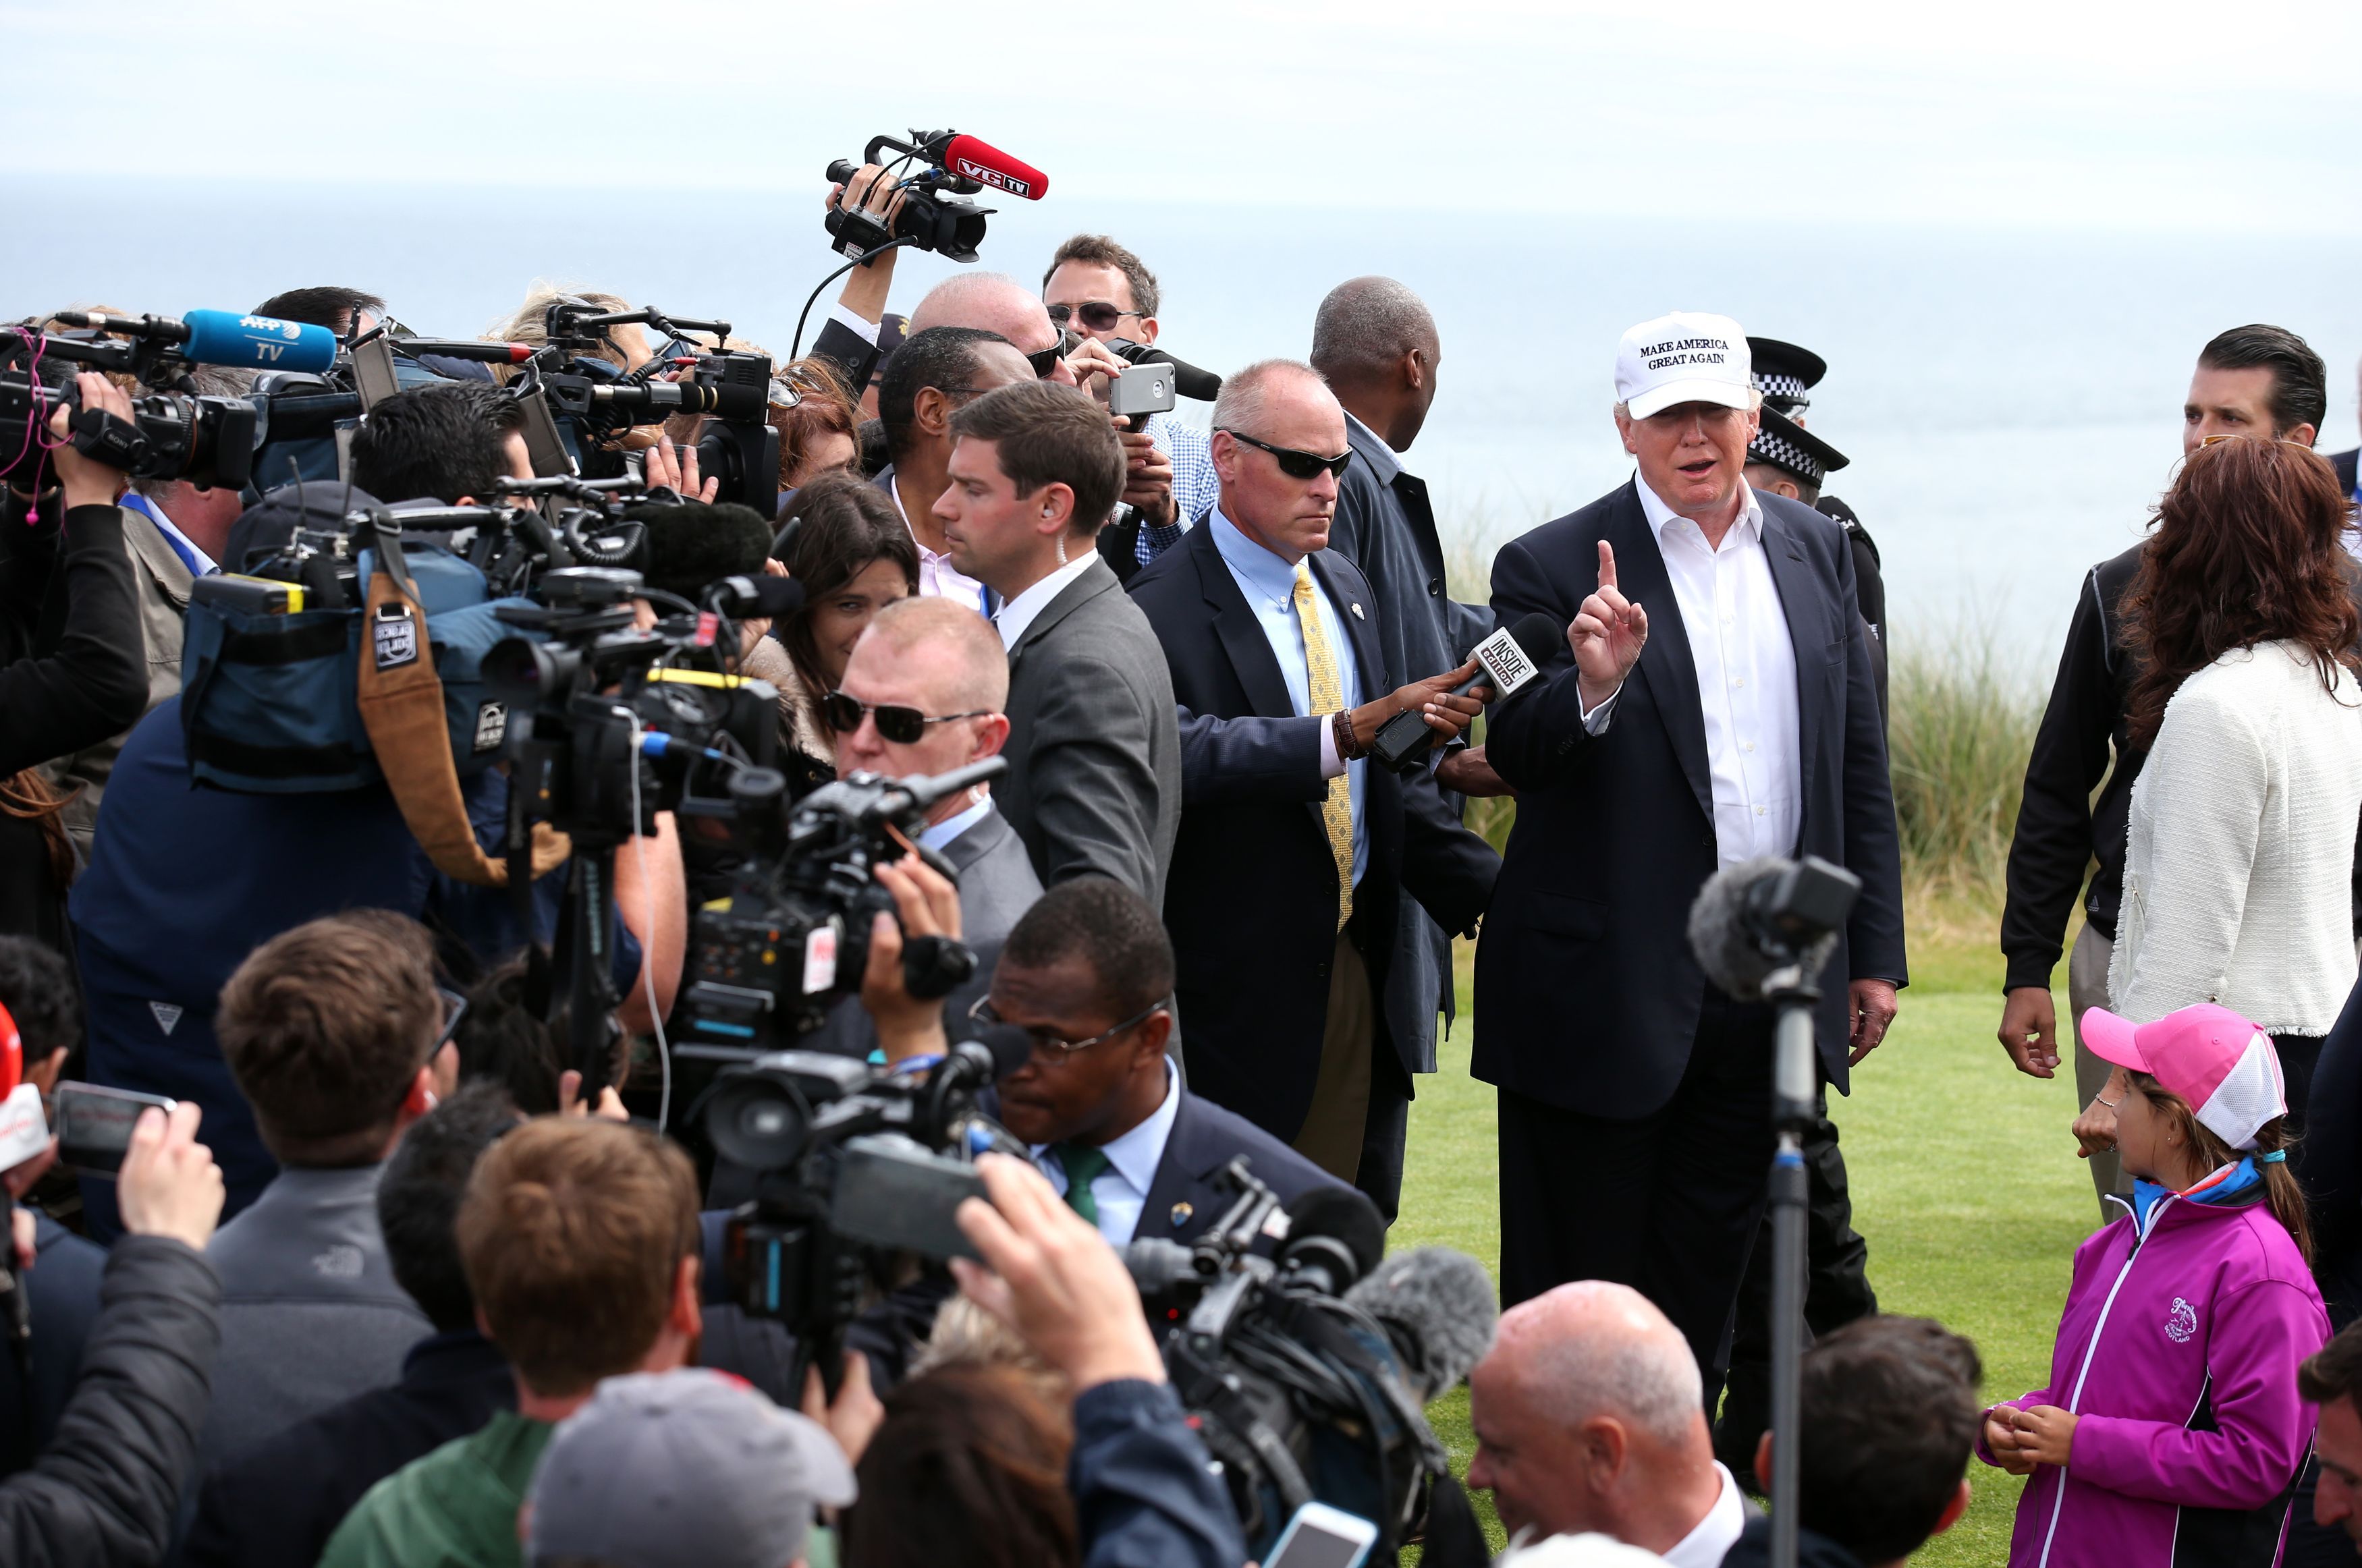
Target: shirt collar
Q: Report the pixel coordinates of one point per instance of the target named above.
(1750, 512)
(1385, 463)
(1020, 613)
(1136, 1155)
(1712, 1539)
(935, 836)
(1257, 569)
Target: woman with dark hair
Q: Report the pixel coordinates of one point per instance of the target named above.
(816, 430)
(967, 1470)
(2239, 857)
(848, 547)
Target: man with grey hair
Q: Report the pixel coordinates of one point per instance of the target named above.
(1589, 1415)
(1295, 855)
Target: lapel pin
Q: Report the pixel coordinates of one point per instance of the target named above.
(1357, 613)
(1181, 1212)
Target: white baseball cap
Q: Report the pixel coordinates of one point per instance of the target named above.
(1686, 357)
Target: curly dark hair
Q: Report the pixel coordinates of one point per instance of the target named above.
(2246, 551)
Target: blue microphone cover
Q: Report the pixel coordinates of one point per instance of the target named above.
(258, 342)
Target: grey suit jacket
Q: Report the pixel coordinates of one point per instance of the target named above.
(997, 886)
(1093, 781)
(163, 582)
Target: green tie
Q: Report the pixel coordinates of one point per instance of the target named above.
(1082, 1164)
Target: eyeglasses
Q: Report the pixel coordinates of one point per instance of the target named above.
(903, 726)
(1097, 314)
(1295, 464)
(1051, 1042)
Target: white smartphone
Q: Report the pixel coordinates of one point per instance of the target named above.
(1322, 1537)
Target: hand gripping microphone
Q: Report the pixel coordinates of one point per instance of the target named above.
(224, 338)
(1510, 658)
(1439, 1311)
(986, 164)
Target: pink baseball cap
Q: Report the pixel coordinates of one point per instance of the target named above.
(2223, 1064)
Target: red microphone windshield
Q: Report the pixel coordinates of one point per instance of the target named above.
(988, 165)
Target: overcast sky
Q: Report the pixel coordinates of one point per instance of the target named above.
(2046, 113)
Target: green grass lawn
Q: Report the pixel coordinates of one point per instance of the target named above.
(1964, 1181)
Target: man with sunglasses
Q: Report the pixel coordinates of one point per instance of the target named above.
(2250, 380)
(1713, 705)
(1093, 781)
(1295, 853)
(339, 1039)
(923, 693)
(1088, 974)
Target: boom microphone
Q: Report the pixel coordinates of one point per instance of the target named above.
(1746, 914)
(986, 164)
(224, 337)
(1439, 1311)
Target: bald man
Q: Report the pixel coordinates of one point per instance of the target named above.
(1589, 1414)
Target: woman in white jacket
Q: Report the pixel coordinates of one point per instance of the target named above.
(2239, 859)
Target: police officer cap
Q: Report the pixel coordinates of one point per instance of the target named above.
(1784, 373)
(1793, 449)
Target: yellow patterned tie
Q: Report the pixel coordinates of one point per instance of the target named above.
(1327, 695)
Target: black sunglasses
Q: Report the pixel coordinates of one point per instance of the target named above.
(1295, 464)
(1098, 316)
(1046, 360)
(455, 1008)
(900, 726)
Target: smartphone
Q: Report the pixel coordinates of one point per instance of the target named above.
(1141, 391)
(94, 1125)
(1322, 1537)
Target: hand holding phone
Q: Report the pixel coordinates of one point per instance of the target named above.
(1322, 1537)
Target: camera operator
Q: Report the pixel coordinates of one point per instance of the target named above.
(853, 341)
(104, 1494)
(74, 675)
(184, 883)
(931, 376)
(1142, 1481)
(1102, 291)
(923, 694)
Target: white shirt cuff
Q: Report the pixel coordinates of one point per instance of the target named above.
(1595, 720)
(866, 329)
(1331, 764)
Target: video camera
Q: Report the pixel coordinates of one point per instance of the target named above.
(1298, 1391)
(769, 960)
(934, 214)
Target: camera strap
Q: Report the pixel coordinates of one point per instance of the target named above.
(400, 701)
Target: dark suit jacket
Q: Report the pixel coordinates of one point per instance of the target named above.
(1094, 779)
(1253, 901)
(1185, 1198)
(2343, 463)
(1586, 995)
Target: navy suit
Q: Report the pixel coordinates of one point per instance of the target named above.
(1251, 898)
(1592, 1017)
(2343, 463)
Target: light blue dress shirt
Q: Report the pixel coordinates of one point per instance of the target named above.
(1269, 584)
(1121, 1190)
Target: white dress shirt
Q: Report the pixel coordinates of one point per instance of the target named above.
(938, 579)
(936, 835)
(1121, 1190)
(1269, 585)
(1019, 615)
(1739, 639)
(1715, 1534)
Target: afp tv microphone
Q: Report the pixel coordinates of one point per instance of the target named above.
(222, 337)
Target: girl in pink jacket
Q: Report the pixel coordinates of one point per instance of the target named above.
(2172, 1433)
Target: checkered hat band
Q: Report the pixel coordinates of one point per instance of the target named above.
(1782, 453)
(1779, 383)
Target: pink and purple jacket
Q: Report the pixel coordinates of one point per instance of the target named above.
(2179, 1350)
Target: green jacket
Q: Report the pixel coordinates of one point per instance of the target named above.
(455, 1508)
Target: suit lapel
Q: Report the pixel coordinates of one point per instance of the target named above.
(1665, 663)
(1353, 605)
(1793, 578)
(978, 841)
(1179, 1191)
(1239, 632)
(1095, 580)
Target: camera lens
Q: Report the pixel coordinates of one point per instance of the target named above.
(757, 1121)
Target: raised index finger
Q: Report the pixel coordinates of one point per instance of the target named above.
(1607, 564)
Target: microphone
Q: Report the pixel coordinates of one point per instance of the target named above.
(692, 544)
(1189, 380)
(1439, 1311)
(1335, 1236)
(482, 353)
(1509, 659)
(986, 164)
(1752, 920)
(759, 598)
(224, 337)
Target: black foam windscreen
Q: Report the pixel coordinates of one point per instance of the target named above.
(691, 543)
(1344, 1214)
(1539, 635)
